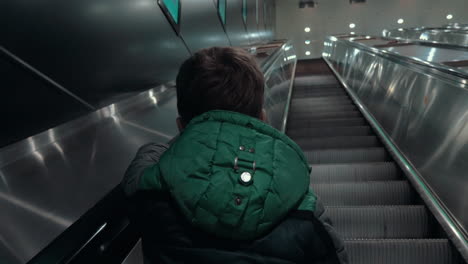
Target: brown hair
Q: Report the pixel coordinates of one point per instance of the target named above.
(219, 78)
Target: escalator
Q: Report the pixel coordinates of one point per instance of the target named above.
(375, 209)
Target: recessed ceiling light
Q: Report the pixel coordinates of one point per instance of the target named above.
(307, 53)
(352, 33)
(307, 42)
(401, 21)
(449, 16)
(307, 29)
(400, 29)
(352, 25)
(368, 37)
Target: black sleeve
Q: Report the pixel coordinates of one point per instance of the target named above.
(318, 242)
(146, 156)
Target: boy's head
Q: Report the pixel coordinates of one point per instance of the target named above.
(219, 78)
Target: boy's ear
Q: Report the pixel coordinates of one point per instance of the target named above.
(180, 123)
(263, 116)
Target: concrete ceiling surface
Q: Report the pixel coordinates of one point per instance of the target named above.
(335, 16)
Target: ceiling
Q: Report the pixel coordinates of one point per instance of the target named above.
(370, 18)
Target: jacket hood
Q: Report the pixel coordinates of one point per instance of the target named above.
(233, 175)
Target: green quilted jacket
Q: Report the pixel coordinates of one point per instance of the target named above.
(232, 175)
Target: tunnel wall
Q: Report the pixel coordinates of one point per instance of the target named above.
(60, 59)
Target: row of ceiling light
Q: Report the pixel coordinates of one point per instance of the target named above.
(352, 25)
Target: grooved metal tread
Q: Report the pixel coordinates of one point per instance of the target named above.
(332, 122)
(354, 172)
(324, 80)
(380, 221)
(318, 93)
(325, 115)
(308, 102)
(347, 155)
(400, 251)
(365, 193)
(311, 100)
(316, 88)
(316, 108)
(316, 132)
(338, 142)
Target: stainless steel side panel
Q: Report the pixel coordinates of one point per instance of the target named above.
(422, 109)
(235, 27)
(455, 37)
(99, 50)
(270, 19)
(260, 22)
(136, 255)
(49, 180)
(252, 29)
(431, 54)
(197, 15)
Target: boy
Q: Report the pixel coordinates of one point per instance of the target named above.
(230, 188)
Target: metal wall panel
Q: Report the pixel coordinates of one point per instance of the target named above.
(270, 19)
(235, 27)
(98, 49)
(422, 107)
(200, 25)
(456, 37)
(30, 105)
(252, 28)
(50, 180)
(261, 23)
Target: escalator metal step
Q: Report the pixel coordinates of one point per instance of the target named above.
(330, 132)
(317, 93)
(316, 81)
(347, 155)
(365, 193)
(338, 142)
(354, 172)
(317, 88)
(332, 122)
(321, 108)
(313, 101)
(372, 222)
(400, 251)
(325, 115)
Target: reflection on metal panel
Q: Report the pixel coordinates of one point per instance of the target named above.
(98, 49)
(260, 20)
(48, 181)
(136, 255)
(25, 100)
(427, 53)
(424, 111)
(438, 57)
(252, 28)
(453, 36)
(201, 14)
(235, 27)
(372, 42)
